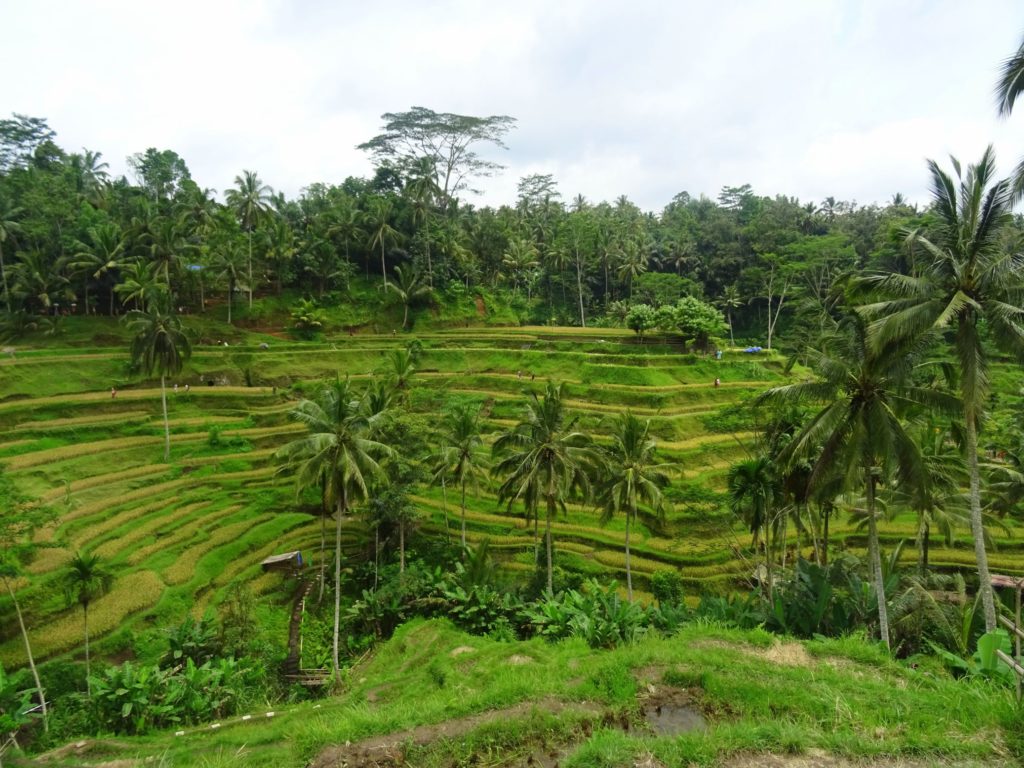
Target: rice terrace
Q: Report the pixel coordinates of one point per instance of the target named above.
(405, 468)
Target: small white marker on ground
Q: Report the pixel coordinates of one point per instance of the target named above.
(247, 717)
(215, 725)
(270, 714)
(179, 733)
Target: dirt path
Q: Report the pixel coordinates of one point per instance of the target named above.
(387, 751)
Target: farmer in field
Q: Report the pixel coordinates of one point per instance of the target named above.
(113, 392)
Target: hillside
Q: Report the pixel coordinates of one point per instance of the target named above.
(433, 696)
(177, 534)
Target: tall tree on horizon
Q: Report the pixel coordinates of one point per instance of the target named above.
(249, 200)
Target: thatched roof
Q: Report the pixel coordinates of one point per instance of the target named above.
(287, 561)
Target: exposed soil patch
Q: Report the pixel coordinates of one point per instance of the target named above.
(518, 660)
(389, 751)
(481, 308)
(461, 650)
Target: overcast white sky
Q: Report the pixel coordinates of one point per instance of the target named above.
(646, 99)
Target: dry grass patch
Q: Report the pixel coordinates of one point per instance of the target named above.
(130, 594)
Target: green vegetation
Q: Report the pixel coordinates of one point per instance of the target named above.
(384, 347)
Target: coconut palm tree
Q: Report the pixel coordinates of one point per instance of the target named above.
(85, 580)
(631, 475)
(544, 459)
(159, 346)
(860, 432)
(938, 501)
(401, 366)
(168, 245)
(140, 284)
(1008, 88)
(729, 301)
(970, 282)
(227, 263)
(518, 261)
(410, 288)
(755, 493)
(423, 191)
(339, 456)
(249, 200)
(461, 458)
(378, 219)
(281, 251)
(8, 228)
(103, 254)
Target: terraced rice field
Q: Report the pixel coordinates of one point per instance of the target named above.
(178, 533)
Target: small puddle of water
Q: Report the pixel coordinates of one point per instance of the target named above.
(672, 719)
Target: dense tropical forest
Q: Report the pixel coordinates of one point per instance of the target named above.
(261, 450)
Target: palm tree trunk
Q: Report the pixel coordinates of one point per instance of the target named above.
(977, 527)
(383, 266)
(88, 672)
(250, 268)
(430, 266)
(3, 276)
(579, 291)
(827, 514)
(732, 340)
(924, 535)
(876, 562)
(463, 514)
(335, 659)
(28, 653)
(401, 546)
(405, 317)
(629, 573)
(376, 555)
(323, 552)
(785, 538)
(547, 536)
(444, 510)
(167, 423)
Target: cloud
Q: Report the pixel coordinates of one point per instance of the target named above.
(800, 98)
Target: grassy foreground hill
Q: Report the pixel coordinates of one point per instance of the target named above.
(432, 696)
